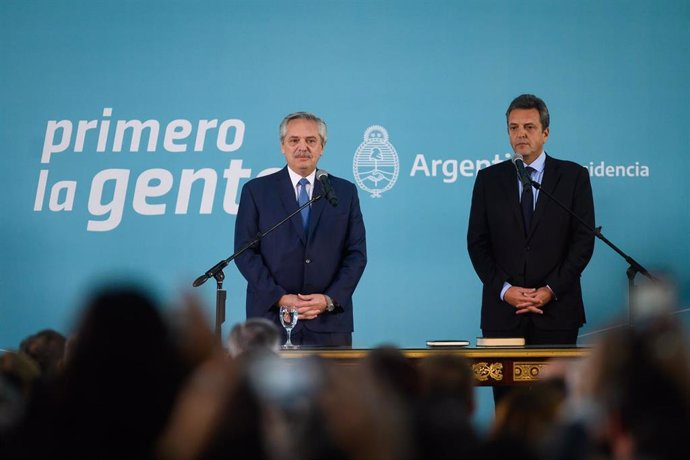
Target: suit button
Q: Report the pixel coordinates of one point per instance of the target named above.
(308, 261)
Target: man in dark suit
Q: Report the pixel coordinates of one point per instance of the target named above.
(313, 262)
(528, 252)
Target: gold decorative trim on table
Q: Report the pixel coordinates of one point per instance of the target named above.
(483, 371)
(527, 371)
(420, 353)
(490, 366)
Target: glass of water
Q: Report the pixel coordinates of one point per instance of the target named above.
(288, 318)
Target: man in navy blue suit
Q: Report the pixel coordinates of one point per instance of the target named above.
(313, 262)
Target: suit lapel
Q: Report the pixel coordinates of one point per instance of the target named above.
(552, 176)
(287, 197)
(317, 207)
(511, 192)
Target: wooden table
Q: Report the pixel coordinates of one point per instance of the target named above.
(491, 366)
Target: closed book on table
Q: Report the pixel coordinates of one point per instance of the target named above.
(500, 341)
(447, 343)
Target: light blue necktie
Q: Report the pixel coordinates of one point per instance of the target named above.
(302, 198)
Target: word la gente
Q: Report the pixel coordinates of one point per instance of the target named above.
(108, 192)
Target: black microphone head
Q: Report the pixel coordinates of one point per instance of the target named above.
(322, 176)
(519, 163)
(200, 280)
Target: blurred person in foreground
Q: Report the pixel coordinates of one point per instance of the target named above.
(394, 371)
(526, 419)
(634, 401)
(444, 413)
(262, 406)
(114, 395)
(18, 377)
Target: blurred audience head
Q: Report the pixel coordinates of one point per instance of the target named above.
(18, 373)
(639, 387)
(391, 369)
(254, 335)
(526, 419)
(367, 417)
(47, 348)
(193, 333)
(449, 377)
(120, 326)
(19, 370)
(122, 376)
(443, 418)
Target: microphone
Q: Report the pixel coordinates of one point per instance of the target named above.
(522, 174)
(322, 176)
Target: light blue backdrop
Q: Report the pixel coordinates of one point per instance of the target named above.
(437, 76)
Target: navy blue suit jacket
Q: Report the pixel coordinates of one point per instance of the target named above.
(554, 252)
(330, 259)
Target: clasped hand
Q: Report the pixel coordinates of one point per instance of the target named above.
(527, 300)
(309, 306)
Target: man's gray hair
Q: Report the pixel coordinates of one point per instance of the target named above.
(323, 129)
(255, 334)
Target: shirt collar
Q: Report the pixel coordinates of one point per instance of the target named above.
(538, 164)
(295, 178)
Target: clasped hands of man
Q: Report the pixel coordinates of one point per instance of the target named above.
(309, 306)
(527, 300)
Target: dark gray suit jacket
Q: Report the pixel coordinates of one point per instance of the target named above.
(554, 252)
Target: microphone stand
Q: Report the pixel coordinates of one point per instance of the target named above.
(217, 270)
(634, 267)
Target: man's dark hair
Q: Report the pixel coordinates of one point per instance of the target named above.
(530, 101)
(47, 348)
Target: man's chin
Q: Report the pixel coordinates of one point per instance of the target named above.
(304, 169)
(303, 163)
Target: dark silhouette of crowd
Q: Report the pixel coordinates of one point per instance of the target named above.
(138, 381)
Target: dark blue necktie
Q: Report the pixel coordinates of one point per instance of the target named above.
(302, 198)
(527, 201)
